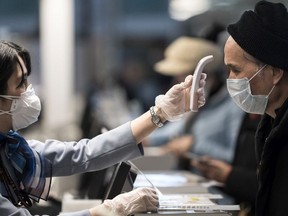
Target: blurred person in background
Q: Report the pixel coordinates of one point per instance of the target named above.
(140, 83)
(203, 132)
(233, 177)
(26, 166)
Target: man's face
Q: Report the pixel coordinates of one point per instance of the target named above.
(239, 66)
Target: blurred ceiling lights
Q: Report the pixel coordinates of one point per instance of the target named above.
(184, 9)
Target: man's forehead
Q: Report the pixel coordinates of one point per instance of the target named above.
(232, 50)
(232, 44)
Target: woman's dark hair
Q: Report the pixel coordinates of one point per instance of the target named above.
(9, 53)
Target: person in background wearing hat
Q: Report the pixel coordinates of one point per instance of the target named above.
(216, 139)
(256, 55)
(220, 123)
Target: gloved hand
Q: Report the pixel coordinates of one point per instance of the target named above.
(176, 102)
(138, 200)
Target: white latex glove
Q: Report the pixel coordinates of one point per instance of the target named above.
(136, 201)
(176, 102)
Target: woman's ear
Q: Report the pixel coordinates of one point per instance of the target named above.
(277, 75)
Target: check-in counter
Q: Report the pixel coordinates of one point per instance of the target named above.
(184, 184)
(156, 170)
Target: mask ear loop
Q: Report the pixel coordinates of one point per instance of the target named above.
(270, 91)
(257, 72)
(8, 97)
(2, 112)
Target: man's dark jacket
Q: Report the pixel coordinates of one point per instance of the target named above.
(272, 158)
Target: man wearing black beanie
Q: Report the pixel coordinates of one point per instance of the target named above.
(256, 55)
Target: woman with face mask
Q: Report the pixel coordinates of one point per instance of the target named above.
(26, 166)
(256, 57)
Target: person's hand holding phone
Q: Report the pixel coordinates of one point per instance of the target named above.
(212, 169)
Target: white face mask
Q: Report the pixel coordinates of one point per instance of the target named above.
(239, 90)
(25, 109)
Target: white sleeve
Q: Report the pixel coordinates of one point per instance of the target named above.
(7, 208)
(85, 155)
(78, 213)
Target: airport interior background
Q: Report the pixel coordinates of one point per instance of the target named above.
(96, 57)
(93, 60)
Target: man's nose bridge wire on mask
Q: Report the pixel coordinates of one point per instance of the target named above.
(140, 172)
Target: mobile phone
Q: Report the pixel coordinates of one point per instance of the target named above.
(192, 155)
(195, 83)
(204, 162)
(199, 158)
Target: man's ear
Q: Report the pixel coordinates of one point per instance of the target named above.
(277, 75)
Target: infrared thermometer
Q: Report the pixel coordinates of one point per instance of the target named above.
(196, 80)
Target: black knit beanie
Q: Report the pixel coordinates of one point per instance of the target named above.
(263, 33)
